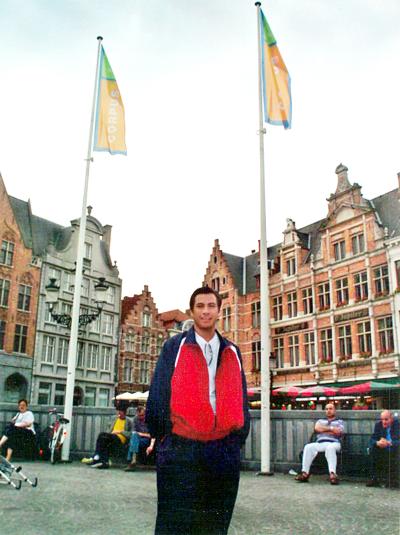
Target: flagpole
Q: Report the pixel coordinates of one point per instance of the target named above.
(73, 341)
(264, 289)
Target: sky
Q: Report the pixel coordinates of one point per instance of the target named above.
(187, 73)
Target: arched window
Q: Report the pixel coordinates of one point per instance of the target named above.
(78, 396)
(15, 387)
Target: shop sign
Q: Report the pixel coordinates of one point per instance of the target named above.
(351, 315)
(290, 328)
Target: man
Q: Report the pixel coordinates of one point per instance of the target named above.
(140, 439)
(384, 451)
(329, 432)
(197, 411)
(118, 434)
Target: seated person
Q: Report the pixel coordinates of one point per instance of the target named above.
(329, 432)
(384, 451)
(118, 434)
(20, 431)
(140, 439)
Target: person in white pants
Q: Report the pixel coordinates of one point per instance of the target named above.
(329, 432)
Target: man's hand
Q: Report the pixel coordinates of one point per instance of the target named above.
(336, 431)
(383, 443)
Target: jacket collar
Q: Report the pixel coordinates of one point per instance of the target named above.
(191, 339)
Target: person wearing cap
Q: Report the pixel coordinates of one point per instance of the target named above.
(198, 412)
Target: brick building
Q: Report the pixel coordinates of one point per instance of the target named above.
(334, 293)
(141, 339)
(19, 289)
(174, 321)
(33, 346)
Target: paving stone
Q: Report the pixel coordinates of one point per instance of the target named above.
(75, 499)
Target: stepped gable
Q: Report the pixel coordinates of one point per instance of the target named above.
(127, 305)
(170, 315)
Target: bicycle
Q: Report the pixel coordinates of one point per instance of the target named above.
(59, 432)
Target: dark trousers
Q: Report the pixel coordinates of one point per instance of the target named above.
(385, 464)
(197, 484)
(18, 437)
(106, 444)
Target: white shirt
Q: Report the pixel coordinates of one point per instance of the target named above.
(24, 417)
(212, 361)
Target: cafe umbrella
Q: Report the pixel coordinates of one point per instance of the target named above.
(318, 391)
(288, 391)
(368, 387)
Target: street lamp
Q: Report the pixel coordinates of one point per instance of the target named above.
(52, 295)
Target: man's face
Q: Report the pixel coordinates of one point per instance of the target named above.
(122, 415)
(330, 410)
(141, 415)
(205, 311)
(386, 419)
(22, 406)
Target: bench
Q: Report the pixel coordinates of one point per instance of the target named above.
(352, 458)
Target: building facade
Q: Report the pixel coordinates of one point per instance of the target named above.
(19, 290)
(142, 337)
(96, 364)
(33, 346)
(334, 294)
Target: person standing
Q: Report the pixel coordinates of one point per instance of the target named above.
(198, 412)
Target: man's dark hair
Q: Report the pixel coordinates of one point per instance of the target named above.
(123, 407)
(204, 290)
(23, 399)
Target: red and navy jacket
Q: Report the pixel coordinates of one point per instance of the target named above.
(179, 393)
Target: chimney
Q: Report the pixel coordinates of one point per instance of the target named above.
(343, 181)
(107, 235)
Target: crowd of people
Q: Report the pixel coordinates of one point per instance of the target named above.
(197, 418)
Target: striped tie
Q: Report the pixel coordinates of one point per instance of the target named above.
(209, 354)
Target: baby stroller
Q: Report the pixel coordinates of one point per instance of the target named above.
(13, 475)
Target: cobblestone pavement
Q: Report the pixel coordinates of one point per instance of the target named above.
(74, 499)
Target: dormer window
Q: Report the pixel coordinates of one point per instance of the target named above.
(291, 266)
(88, 251)
(358, 244)
(339, 250)
(215, 284)
(146, 317)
